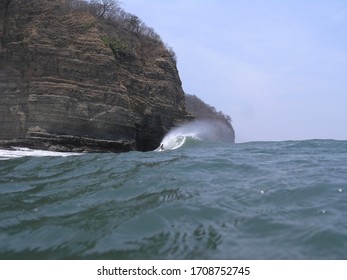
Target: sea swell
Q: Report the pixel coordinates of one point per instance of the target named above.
(259, 200)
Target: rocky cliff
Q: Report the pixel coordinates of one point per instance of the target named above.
(71, 80)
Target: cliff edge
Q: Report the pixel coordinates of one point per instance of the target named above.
(76, 78)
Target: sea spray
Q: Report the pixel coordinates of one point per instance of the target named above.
(201, 130)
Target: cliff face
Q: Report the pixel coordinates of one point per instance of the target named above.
(70, 82)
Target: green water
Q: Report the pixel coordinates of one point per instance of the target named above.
(204, 200)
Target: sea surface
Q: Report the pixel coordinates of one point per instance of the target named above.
(198, 200)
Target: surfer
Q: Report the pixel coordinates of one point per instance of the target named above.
(161, 147)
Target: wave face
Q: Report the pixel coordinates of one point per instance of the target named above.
(198, 130)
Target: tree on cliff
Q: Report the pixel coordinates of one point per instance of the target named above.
(105, 8)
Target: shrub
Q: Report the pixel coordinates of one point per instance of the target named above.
(117, 46)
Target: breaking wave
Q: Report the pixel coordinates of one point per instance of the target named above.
(197, 131)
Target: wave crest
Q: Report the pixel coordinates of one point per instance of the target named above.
(198, 130)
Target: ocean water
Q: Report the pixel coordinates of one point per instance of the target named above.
(198, 200)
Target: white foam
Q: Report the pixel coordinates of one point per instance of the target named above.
(17, 152)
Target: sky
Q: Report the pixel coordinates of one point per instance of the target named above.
(278, 68)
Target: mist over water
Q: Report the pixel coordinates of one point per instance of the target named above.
(204, 200)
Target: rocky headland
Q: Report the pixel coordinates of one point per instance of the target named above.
(84, 76)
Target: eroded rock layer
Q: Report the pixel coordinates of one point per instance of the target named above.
(65, 86)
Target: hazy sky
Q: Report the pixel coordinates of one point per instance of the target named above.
(277, 67)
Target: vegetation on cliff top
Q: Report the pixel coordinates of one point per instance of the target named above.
(120, 26)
